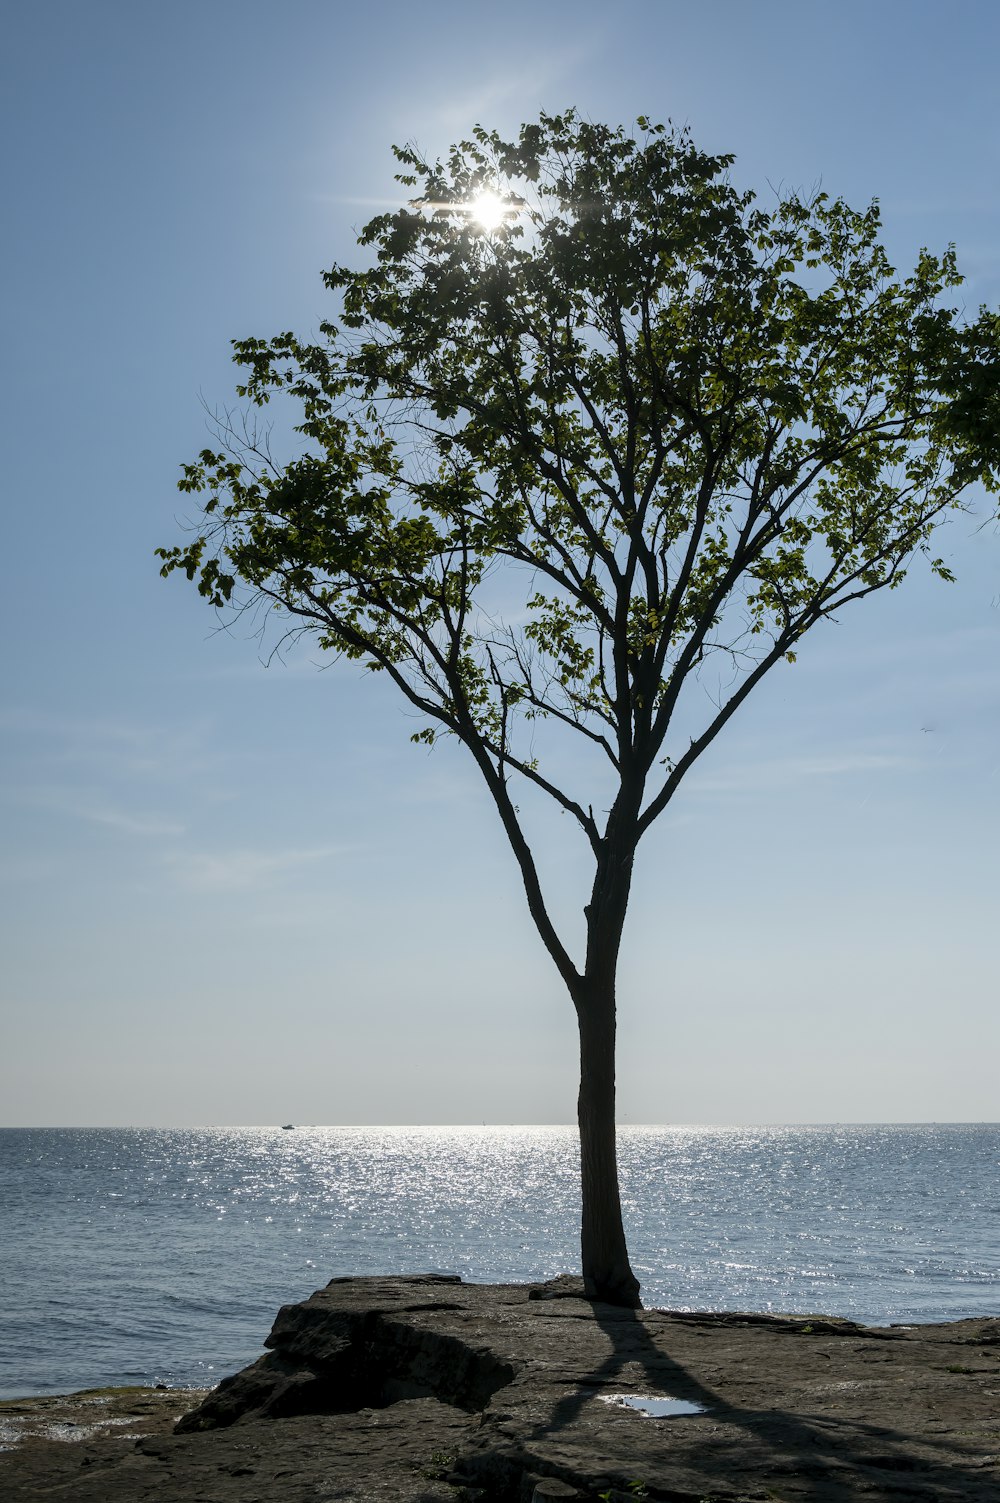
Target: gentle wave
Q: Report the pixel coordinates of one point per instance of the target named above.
(162, 1256)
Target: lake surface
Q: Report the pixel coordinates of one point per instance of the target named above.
(147, 1256)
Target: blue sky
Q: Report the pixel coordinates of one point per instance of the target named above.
(236, 893)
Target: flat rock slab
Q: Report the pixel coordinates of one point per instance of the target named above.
(395, 1454)
(425, 1388)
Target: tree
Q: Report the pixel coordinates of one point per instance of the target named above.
(684, 428)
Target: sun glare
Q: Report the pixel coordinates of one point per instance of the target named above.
(488, 210)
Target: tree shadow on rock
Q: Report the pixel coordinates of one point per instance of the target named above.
(745, 1452)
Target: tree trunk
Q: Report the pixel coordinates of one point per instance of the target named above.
(606, 1270)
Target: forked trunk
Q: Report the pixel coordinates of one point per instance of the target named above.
(606, 1270)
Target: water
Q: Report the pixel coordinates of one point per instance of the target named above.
(652, 1406)
(145, 1256)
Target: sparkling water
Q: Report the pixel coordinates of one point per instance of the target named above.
(146, 1256)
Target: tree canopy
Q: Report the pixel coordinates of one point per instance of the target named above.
(591, 429)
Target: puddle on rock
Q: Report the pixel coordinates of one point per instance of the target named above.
(652, 1405)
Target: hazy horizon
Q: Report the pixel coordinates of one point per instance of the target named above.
(454, 1126)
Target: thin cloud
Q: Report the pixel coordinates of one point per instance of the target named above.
(782, 770)
(118, 746)
(98, 811)
(151, 825)
(243, 870)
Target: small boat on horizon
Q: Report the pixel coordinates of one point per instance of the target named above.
(288, 1127)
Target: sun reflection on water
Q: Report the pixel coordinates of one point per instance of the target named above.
(186, 1242)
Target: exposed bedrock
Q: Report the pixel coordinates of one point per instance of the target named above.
(805, 1407)
(361, 1344)
(428, 1390)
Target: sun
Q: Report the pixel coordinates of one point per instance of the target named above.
(488, 210)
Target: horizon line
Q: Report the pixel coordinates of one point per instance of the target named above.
(471, 1126)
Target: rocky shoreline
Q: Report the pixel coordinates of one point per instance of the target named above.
(94, 1414)
(424, 1389)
